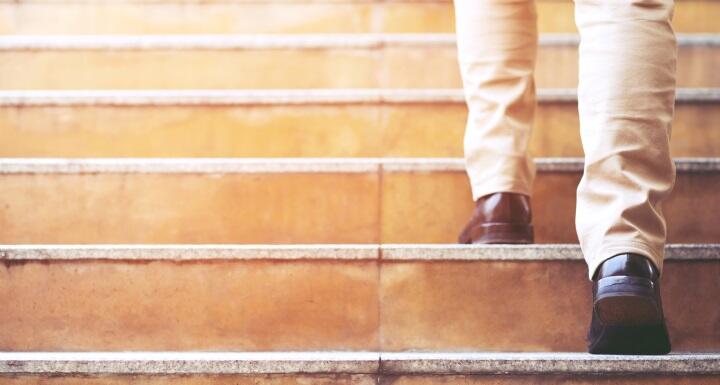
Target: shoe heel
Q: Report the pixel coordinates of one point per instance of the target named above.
(489, 233)
(627, 301)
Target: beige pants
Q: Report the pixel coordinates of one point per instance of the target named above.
(626, 97)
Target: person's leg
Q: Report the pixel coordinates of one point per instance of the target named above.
(497, 47)
(626, 97)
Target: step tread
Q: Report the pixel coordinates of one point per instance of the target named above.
(22, 98)
(288, 165)
(353, 363)
(389, 252)
(279, 41)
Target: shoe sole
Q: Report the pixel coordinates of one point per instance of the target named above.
(630, 316)
(631, 340)
(512, 233)
(627, 301)
(628, 310)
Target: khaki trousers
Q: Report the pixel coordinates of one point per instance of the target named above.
(626, 97)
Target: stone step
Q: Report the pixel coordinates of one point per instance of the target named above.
(296, 200)
(233, 17)
(297, 123)
(364, 368)
(326, 297)
(288, 61)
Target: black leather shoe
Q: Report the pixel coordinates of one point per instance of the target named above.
(627, 310)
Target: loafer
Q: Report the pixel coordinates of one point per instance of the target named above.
(627, 313)
(501, 217)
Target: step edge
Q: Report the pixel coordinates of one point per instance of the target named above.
(546, 363)
(145, 42)
(343, 252)
(237, 97)
(412, 363)
(189, 252)
(290, 165)
(189, 363)
(537, 252)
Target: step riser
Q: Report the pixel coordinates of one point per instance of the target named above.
(426, 208)
(345, 130)
(271, 305)
(250, 208)
(390, 67)
(221, 18)
(172, 306)
(515, 306)
(421, 207)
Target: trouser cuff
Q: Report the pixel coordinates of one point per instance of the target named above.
(485, 187)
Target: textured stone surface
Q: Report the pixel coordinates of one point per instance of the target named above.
(227, 379)
(400, 252)
(190, 363)
(520, 363)
(289, 165)
(188, 252)
(450, 252)
(551, 380)
(363, 380)
(196, 166)
(355, 363)
(221, 97)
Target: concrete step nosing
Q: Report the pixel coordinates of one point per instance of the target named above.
(279, 41)
(353, 363)
(545, 363)
(537, 252)
(349, 252)
(200, 97)
(188, 165)
(189, 363)
(189, 252)
(290, 165)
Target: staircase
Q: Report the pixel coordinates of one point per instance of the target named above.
(269, 192)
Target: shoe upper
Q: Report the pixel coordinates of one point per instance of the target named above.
(503, 207)
(498, 208)
(628, 264)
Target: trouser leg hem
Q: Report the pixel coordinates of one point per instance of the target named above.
(499, 185)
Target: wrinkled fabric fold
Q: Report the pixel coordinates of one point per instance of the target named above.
(626, 96)
(497, 48)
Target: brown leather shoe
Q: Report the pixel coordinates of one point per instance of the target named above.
(500, 218)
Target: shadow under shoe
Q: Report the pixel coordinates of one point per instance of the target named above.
(500, 218)
(627, 313)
